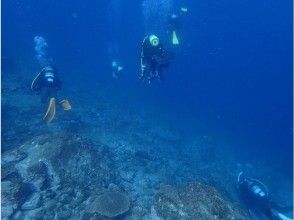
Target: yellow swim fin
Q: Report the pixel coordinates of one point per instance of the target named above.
(175, 39)
(48, 117)
(65, 105)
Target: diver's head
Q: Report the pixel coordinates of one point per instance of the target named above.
(154, 40)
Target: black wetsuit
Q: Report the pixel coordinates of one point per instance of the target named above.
(153, 60)
(255, 196)
(47, 85)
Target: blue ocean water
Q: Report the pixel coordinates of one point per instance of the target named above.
(231, 78)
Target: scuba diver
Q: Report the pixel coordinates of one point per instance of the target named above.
(255, 195)
(116, 69)
(47, 84)
(154, 58)
(175, 23)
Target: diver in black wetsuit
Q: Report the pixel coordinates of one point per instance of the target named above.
(255, 195)
(116, 69)
(154, 58)
(47, 84)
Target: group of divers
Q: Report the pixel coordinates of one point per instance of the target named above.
(154, 58)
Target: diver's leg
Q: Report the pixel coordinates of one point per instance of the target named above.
(159, 73)
(114, 75)
(52, 93)
(44, 95)
(150, 76)
(160, 76)
(153, 71)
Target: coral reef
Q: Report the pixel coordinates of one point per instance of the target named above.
(75, 166)
(110, 204)
(53, 176)
(194, 201)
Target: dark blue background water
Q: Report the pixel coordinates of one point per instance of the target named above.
(232, 73)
